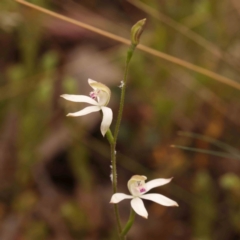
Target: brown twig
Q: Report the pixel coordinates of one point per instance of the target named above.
(149, 50)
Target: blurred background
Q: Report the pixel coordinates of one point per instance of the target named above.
(54, 170)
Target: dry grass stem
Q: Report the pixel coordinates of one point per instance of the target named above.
(149, 50)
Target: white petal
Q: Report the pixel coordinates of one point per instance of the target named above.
(91, 81)
(118, 197)
(156, 183)
(139, 208)
(104, 94)
(107, 119)
(79, 98)
(160, 199)
(103, 98)
(85, 111)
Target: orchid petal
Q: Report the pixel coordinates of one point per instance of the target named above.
(118, 197)
(139, 208)
(79, 98)
(90, 81)
(107, 119)
(160, 199)
(103, 98)
(97, 85)
(85, 111)
(156, 183)
(136, 185)
(104, 94)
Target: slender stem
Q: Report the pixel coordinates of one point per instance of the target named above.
(114, 177)
(114, 185)
(110, 137)
(120, 111)
(113, 139)
(128, 224)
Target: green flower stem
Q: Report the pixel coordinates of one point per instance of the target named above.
(110, 137)
(114, 188)
(128, 224)
(120, 111)
(114, 177)
(113, 139)
(136, 32)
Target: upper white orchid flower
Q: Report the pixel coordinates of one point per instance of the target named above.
(138, 188)
(99, 98)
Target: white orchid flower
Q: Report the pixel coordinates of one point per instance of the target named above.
(99, 98)
(138, 188)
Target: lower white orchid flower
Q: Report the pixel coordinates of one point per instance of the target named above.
(99, 98)
(138, 188)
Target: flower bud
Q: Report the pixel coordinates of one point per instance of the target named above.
(136, 31)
